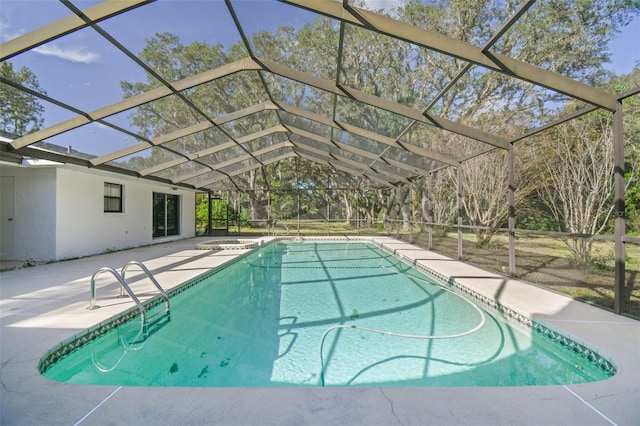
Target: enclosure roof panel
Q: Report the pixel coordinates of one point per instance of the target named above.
(459, 49)
(195, 93)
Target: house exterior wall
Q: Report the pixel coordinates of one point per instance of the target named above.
(85, 229)
(59, 212)
(34, 218)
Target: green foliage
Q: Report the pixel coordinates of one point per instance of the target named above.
(632, 206)
(202, 207)
(631, 111)
(219, 208)
(20, 112)
(537, 222)
(29, 263)
(564, 36)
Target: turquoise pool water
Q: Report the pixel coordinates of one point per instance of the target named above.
(332, 314)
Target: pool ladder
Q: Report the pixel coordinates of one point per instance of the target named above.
(149, 323)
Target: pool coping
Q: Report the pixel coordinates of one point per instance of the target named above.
(581, 348)
(228, 244)
(32, 325)
(601, 359)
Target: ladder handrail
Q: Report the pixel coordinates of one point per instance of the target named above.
(92, 303)
(149, 274)
(144, 326)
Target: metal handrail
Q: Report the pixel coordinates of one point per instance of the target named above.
(149, 274)
(92, 303)
(144, 327)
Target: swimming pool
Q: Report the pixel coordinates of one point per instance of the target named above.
(323, 313)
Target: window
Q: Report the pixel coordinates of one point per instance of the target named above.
(166, 215)
(112, 198)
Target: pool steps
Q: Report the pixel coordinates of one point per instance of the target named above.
(149, 323)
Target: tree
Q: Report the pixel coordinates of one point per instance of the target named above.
(397, 71)
(576, 179)
(484, 193)
(564, 36)
(631, 111)
(577, 172)
(20, 112)
(174, 61)
(439, 201)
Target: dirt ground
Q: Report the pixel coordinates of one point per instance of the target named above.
(547, 262)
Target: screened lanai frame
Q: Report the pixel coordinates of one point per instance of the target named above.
(322, 135)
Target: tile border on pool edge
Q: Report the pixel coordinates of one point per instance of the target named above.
(582, 349)
(228, 244)
(592, 355)
(80, 339)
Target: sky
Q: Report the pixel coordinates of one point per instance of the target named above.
(85, 70)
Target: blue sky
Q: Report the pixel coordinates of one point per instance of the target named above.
(85, 70)
(625, 49)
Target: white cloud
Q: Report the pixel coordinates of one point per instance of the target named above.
(73, 54)
(5, 33)
(95, 126)
(386, 5)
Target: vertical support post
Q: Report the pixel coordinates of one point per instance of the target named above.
(410, 232)
(227, 214)
(328, 214)
(210, 218)
(269, 218)
(298, 192)
(358, 210)
(166, 216)
(413, 222)
(512, 209)
(620, 220)
(430, 211)
(328, 206)
(459, 205)
(239, 214)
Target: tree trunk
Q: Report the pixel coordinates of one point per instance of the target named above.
(348, 208)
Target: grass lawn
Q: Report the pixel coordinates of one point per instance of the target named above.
(547, 262)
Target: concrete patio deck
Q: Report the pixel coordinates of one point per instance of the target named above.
(43, 305)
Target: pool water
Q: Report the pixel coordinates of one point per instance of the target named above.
(324, 314)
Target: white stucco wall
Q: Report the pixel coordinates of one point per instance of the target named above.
(59, 212)
(34, 219)
(83, 228)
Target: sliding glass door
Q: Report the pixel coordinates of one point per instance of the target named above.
(166, 215)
